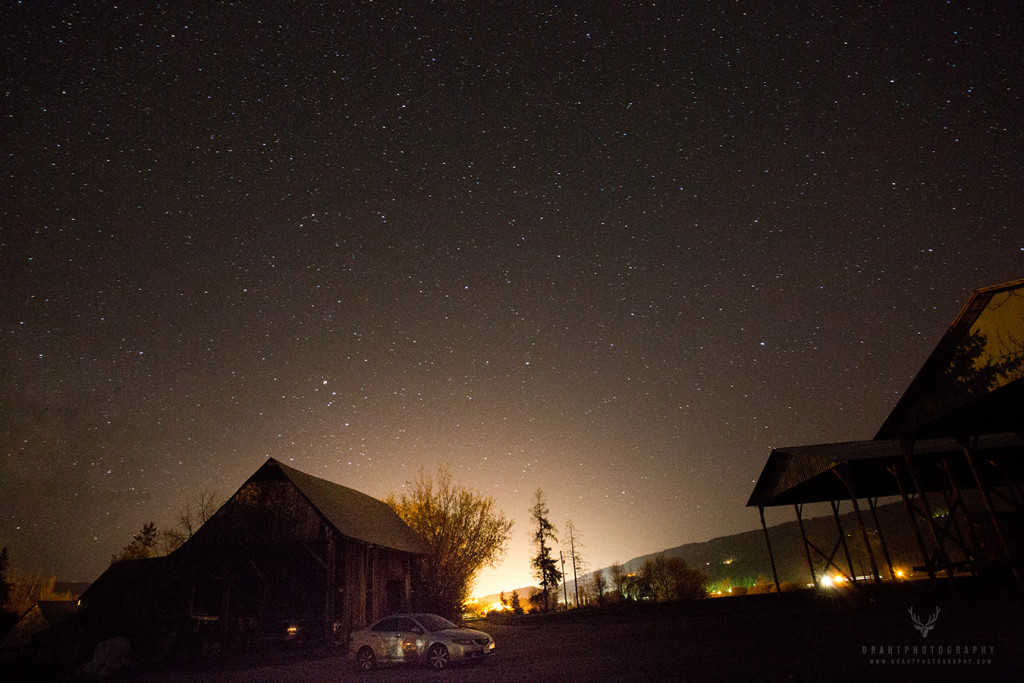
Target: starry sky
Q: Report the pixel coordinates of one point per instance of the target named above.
(614, 253)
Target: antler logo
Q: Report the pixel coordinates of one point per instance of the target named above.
(924, 628)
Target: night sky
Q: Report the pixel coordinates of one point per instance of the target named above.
(614, 253)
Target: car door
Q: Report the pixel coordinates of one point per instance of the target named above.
(386, 640)
(410, 639)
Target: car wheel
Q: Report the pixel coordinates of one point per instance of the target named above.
(365, 659)
(438, 656)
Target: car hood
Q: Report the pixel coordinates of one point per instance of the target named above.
(465, 632)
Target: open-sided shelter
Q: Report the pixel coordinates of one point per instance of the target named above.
(952, 449)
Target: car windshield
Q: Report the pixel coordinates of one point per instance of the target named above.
(432, 622)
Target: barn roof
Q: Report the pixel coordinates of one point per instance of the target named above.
(119, 575)
(40, 616)
(353, 514)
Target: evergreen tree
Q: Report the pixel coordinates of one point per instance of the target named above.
(599, 586)
(544, 565)
(147, 536)
(143, 545)
(517, 607)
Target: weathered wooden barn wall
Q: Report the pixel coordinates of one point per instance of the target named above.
(268, 561)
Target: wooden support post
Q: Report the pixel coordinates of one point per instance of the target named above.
(842, 539)
(407, 591)
(867, 540)
(975, 552)
(873, 505)
(225, 608)
(992, 514)
(913, 523)
(330, 587)
(845, 477)
(1014, 497)
(359, 592)
(807, 550)
(908, 451)
(771, 556)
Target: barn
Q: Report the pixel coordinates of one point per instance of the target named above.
(291, 555)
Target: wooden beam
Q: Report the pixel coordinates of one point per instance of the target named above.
(771, 556)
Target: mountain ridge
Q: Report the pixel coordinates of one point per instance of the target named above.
(740, 559)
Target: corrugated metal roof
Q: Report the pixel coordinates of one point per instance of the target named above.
(807, 474)
(971, 384)
(354, 514)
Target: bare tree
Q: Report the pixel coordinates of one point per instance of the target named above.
(670, 579)
(464, 530)
(26, 588)
(194, 514)
(572, 547)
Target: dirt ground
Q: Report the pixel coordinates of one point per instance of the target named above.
(795, 637)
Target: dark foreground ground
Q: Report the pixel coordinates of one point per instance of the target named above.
(977, 636)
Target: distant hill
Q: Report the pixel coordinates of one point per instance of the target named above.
(740, 559)
(524, 596)
(743, 557)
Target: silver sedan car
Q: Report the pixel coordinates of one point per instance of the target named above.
(417, 638)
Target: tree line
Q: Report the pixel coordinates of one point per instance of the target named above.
(658, 579)
(20, 590)
(465, 533)
(151, 541)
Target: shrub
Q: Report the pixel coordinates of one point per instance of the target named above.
(670, 579)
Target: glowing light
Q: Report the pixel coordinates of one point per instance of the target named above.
(831, 580)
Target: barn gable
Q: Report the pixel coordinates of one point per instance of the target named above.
(282, 503)
(291, 554)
